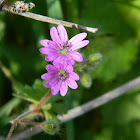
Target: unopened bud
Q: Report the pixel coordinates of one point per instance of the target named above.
(86, 80)
(96, 57)
(51, 127)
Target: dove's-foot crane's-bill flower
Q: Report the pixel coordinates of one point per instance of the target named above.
(59, 77)
(61, 48)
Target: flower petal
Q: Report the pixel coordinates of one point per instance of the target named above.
(69, 59)
(79, 45)
(77, 38)
(62, 33)
(59, 59)
(69, 68)
(44, 42)
(74, 76)
(49, 43)
(46, 76)
(56, 88)
(53, 81)
(58, 66)
(47, 58)
(54, 35)
(47, 85)
(50, 68)
(47, 50)
(71, 83)
(63, 88)
(43, 50)
(51, 57)
(76, 56)
(53, 45)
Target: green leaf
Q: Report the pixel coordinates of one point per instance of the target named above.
(32, 94)
(6, 109)
(36, 92)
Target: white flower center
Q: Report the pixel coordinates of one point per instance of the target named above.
(62, 75)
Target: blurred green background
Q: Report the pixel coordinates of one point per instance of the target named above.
(118, 40)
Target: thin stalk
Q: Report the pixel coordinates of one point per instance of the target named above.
(37, 107)
(42, 101)
(21, 121)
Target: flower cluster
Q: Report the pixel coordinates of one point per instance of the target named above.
(62, 52)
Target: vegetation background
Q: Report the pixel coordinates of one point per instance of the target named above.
(118, 40)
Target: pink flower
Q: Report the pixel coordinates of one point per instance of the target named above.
(61, 49)
(59, 77)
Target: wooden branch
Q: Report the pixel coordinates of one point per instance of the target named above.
(49, 19)
(80, 110)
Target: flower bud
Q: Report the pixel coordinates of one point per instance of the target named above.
(86, 80)
(96, 57)
(51, 127)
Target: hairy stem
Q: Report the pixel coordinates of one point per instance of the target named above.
(37, 107)
(21, 121)
(42, 101)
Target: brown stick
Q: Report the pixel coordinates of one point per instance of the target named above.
(50, 20)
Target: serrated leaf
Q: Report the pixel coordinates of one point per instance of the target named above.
(32, 94)
(36, 92)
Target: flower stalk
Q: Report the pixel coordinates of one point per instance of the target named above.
(21, 121)
(42, 101)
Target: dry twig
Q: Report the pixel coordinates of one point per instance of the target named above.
(49, 19)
